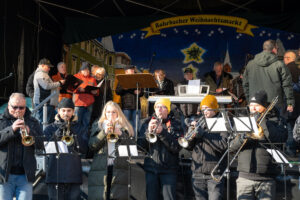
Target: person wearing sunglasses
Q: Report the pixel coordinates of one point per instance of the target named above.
(17, 161)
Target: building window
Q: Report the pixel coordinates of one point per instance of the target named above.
(82, 45)
(110, 60)
(74, 64)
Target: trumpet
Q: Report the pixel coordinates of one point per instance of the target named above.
(27, 140)
(151, 136)
(111, 135)
(67, 138)
(184, 141)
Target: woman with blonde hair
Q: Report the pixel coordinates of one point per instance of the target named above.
(108, 176)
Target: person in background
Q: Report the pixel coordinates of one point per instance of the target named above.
(84, 100)
(61, 75)
(108, 176)
(165, 85)
(191, 108)
(266, 72)
(218, 80)
(43, 87)
(17, 162)
(64, 172)
(163, 161)
(105, 92)
(128, 99)
(237, 89)
(256, 167)
(207, 149)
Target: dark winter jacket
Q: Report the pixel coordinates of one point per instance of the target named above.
(97, 176)
(266, 72)
(167, 88)
(163, 154)
(9, 138)
(210, 79)
(295, 72)
(105, 91)
(67, 167)
(128, 98)
(296, 130)
(30, 86)
(254, 160)
(207, 149)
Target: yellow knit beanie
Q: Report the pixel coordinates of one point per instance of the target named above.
(165, 101)
(209, 101)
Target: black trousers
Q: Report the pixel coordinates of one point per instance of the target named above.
(64, 191)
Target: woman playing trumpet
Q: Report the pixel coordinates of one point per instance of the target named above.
(207, 149)
(108, 174)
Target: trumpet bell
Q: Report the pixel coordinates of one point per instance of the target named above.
(28, 140)
(183, 142)
(68, 140)
(112, 137)
(152, 138)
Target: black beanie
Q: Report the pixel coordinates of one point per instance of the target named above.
(66, 103)
(261, 98)
(85, 65)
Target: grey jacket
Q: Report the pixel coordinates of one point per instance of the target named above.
(266, 72)
(43, 86)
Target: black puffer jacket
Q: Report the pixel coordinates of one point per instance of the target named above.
(128, 98)
(165, 151)
(207, 148)
(67, 167)
(253, 157)
(8, 139)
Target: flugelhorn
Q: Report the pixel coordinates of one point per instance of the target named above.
(67, 138)
(27, 140)
(151, 136)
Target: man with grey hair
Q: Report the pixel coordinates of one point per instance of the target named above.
(61, 75)
(289, 59)
(17, 160)
(267, 72)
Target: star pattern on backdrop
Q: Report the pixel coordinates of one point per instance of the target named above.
(193, 53)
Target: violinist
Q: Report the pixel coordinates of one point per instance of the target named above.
(256, 169)
(207, 149)
(18, 163)
(64, 171)
(108, 176)
(162, 164)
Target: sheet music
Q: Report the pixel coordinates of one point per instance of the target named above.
(279, 157)
(123, 152)
(50, 147)
(133, 150)
(242, 124)
(219, 126)
(193, 87)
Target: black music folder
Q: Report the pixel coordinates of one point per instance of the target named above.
(71, 83)
(89, 88)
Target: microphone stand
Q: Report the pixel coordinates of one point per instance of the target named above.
(7, 77)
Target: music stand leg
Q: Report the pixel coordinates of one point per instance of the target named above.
(136, 111)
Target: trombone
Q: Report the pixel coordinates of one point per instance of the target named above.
(27, 140)
(67, 138)
(252, 135)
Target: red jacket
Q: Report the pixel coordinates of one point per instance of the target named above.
(84, 99)
(62, 93)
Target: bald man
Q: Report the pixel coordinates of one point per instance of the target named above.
(289, 59)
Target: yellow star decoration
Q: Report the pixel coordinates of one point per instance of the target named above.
(193, 53)
(195, 70)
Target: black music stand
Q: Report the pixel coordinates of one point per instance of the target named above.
(225, 124)
(130, 81)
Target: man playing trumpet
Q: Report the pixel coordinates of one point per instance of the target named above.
(161, 167)
(256, 169)
(18, 163)
(207, 149)
(64, 172)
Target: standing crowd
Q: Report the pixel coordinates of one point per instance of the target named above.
(83, 120)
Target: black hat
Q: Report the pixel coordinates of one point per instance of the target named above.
(85, 65)
(261, 98)
(66, 103)
(45, 61)
(188, 70)
(129, 67)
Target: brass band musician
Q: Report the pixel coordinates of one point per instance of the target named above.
(207, 149)
(19, 136)
(256, 169)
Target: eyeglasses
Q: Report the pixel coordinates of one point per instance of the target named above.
(18, 107)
